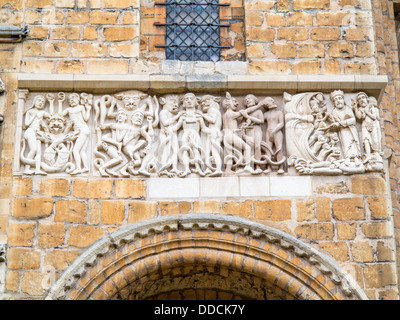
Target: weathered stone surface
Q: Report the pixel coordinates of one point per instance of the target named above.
(23, 258)
(112, 212)
(141, 210)
(82, 236)
(71, 211)
(51, 235)
(368, 185)
(32, 208)
(130, 189)
(54, 187)
(84, 188)
(348, 209)
(21, 234)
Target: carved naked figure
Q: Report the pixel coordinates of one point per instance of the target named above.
(33, 135)
(237, 153)
(253, 129)
(367, 112)
(131, 117)
(168, 145)
(190, 152)
(112, 143)
(273, 143)
(137, 143)
(55, 132)
(79, 113)
(213, 149)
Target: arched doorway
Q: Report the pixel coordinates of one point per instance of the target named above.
(203, 257)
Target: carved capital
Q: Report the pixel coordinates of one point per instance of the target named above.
(23, 94)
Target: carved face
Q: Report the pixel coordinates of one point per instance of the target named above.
(338, 101)
(189, 100)
(73, 100)
(230, 103)
(137, 118)
(172, 105)
(362, 100)
(56, 124)
(250, 100)
(206, 104)
(121, 116)
(271, 103)
(131, 101)
(39, 102)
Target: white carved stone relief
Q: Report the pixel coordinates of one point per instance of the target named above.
(322, 135)
(124, 125)
(56, 140)
(132, 133)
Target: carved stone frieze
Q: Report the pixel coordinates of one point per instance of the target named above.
(327, 135)
(56, 139)
(132, 133)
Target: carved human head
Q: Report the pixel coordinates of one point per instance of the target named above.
(121, 116)
(362, 99)
(39, 102)
(56, 123)
(189, 100)
(74, 99)
(137, 117)
(250, 100)
(337, 97)
(270, 103)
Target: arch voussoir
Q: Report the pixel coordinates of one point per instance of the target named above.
(190, 259)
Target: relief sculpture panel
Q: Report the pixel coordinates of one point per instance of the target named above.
(327, 134)
(55, 139)
(133, 133)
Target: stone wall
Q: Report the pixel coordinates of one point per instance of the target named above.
(388, 63)
(47, 222)
(346, 218)
(279, 37)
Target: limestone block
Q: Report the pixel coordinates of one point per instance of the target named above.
(161, 188)
(290, 186)
(220, 187)
(254, 186)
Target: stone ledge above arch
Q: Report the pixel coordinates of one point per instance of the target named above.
(150, 252)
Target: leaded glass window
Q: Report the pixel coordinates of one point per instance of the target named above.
(192, 30)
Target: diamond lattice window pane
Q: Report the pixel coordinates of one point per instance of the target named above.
(192, 32)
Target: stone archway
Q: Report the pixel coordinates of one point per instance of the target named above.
(203, 257)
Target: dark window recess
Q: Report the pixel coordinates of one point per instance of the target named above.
(192, 30)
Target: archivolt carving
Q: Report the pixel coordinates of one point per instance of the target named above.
(132, 133)
(107, 246)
